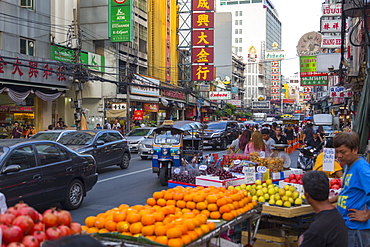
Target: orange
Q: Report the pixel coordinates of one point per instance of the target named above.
(199, 198)
(90, 220)
(189, 224)
(205, 228)
(227, 216)
(215, 215)
(220, 202)
(181, 204)
(158, 194)
(159, 216)
(197, 222)
(172, 209)
(190, 205)
(138, 207)
(175, 242)
(201, 205)
(234, 213)
(110, 225)
(183, 228)
(193, 235)
(225, 209)
(151, 201)
(151, 238)
(170, 202)
(236, 204)
(174, 232)
(92, 230)
(123, 226)
(120, 216)
(202, 217)
(188, 215)
(161, 202)
(188, 197)
(160, 230)
(168, 196)
(148, 219)
(148, 230)
(205, 212)
(100, 223)
(212, 225)
(84, 228)
(186, 210)
(102, 216)
(199, 231)
(126, 233)
(136, 227)
(195, 211)
(133, 217)
(162, 240)
(178, 196)
(212, 207)
(123, 207)
(165, 210)
(186, 239)
(212, 198)
(159, 223)
(103, 231)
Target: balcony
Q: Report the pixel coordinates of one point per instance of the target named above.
(261, 85)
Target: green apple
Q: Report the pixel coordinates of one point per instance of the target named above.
(259, 193)
(238, 188)
(291, 200)
(267, 196)
(254, 198)
(288, 193)
(292, 188)
(268, 181)
(286, 187)
(271, 191)
(261, 199)
(249, 187)
(281, 191)
(264, 190)
(277, 197)
(272, 201)
(295, 195)
(243, 186)
(258, 182)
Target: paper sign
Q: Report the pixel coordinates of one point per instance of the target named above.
(329, 157)
(262, 154)
(202, 167)
(261, 169)
(176, 170)
(250, 174)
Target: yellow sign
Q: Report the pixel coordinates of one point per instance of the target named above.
(168, 122)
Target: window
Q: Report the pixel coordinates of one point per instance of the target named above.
(115, 136)
(240, 22)
(240, 31)
(29, 4)
(236, 40)
(27, 46)
(240, 40)
(236, 13)
(240, 13)
(236, 22)
(23, 156)
(49, 154)
(236, 31)
(104, 137)
(240, 49)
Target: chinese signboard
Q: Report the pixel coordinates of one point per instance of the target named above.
(151, 107)
(274, 55)
(340, 92)
(314, 81)
(331, 26)
(260, 104)
(202, 38)
(332, 9)
(275, 80)
(138, 115)
(219, 95)
(120, 20)
(308, 66)
(145, 86)
(174, 94)
(332, 41)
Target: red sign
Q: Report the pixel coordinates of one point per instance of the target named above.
(174, 94)
(203, 38)
(204, 20)
(288, 101)
(203, 5)
(138, 115)
(202, 55)
(190, 112)
(151, 107)
(203, 73)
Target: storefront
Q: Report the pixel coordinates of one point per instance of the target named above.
(173, 105)
(28, 87)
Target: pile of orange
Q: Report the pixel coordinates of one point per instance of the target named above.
(173, 217)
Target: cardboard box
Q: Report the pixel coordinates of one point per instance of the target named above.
(273, 237)
(215, 181)
(275, 175)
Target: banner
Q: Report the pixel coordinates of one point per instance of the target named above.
(138, 115)
(120, 20)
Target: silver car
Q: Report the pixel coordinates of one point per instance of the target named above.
(51, 135)
(137, 135)
(144, 148)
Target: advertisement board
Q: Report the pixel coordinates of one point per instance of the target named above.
(120, 20)
(261, 105)
(223, 95)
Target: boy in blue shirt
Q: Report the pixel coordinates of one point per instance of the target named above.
(354, 199)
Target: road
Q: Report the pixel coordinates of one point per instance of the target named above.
(116, 186)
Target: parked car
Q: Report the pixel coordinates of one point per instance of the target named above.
(44, 172)
(145, 148)
(241, 127)
(137, 135)
(51, 135)
(220, 133)
(108, 147)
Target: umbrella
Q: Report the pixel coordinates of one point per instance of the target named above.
(361, 125)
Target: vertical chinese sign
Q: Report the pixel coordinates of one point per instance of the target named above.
(202, 40)
(120, 20)
(275, 81)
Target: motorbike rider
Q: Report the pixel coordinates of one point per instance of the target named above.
(315, 142)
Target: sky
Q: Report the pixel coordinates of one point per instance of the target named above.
(297, 17)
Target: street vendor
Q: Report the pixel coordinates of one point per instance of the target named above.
(280, 138)
(353, 202)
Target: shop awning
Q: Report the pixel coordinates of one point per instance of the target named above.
(32, 85)
(138, 98)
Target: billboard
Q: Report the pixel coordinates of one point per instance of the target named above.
(120, 20)
(260, 104)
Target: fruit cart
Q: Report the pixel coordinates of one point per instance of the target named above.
(254, 215)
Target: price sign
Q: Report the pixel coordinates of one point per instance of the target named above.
(329, 157)
(250, 175)
(261, 169)
(237, 162)
(176, 170)
(202, 167)
(262, 154)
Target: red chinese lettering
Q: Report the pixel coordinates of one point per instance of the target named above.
(47, 72)
(2, 64)
(16, 68)
(336, 25)
(33, 69)
(60, 74)
(326, 26)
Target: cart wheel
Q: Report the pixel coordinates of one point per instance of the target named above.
(163, 173)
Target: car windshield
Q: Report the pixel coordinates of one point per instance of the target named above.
(138, 132)
(46, 136)
(167, 137)
(217, 125)
(77, 138)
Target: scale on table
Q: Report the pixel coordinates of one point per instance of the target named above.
(279, 152)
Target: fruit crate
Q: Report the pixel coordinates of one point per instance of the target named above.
(173, 184)
(215, 181)
(287, 212)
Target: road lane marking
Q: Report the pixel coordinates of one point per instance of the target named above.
(124, 175)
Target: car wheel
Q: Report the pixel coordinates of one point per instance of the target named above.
(223, 144)
(214, 146)
(125, 161)
(74, 196)
(163, 173)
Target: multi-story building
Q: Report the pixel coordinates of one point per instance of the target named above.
(256, 27)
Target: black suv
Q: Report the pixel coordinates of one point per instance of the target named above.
(220, 133)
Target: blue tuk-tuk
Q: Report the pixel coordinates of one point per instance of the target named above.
(173, 142)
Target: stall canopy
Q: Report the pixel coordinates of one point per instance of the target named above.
(362, 124)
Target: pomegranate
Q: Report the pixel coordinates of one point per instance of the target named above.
(38, 227)
(7, 218)
(50, 219)
(53, 233)
(12, 234)
(75, 228)
(12, 210)
(30, 241)
(64, 230)
(40, 236)
(65, 217)
(15, 244)
(29, 211)
(24, 222)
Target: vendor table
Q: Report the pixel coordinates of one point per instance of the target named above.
(252, 215)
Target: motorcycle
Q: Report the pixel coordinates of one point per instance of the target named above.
(307, 157)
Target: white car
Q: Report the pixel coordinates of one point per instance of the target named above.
(137, 135)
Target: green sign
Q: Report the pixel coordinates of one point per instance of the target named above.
(120, 20)
(62, 53)
(314, 81)
(307, 64)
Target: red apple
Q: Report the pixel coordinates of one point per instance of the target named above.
(292, 176)
(287, 180)
(294, 181)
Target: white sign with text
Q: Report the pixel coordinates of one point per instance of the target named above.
(329, 158)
